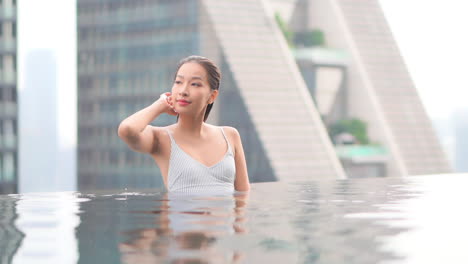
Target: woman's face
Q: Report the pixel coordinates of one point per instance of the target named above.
(191, 92)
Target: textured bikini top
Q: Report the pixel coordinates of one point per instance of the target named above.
(187, 175)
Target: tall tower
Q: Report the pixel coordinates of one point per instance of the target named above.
(461, 140)
(127, 54)
(8, 98)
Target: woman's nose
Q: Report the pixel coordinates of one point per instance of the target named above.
(183, 91)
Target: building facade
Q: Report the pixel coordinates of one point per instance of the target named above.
(461, 140)
(127, 52)
(379, 89)
(8, 98)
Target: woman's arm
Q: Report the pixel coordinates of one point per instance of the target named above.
(241, 182)
(136, 131)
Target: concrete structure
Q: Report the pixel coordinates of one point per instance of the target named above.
(380, 90)
(272, 89)
(325, 73)
(8, 98)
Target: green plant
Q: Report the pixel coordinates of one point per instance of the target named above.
(311, 38)
(288, 34)
(353, 126)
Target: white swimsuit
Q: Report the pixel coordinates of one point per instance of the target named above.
(187, 175)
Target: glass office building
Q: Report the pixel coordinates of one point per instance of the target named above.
(127, 52)
(8, 98)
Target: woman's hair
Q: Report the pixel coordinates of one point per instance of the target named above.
(214, 74)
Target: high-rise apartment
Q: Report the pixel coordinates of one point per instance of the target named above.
(461, 140)
(8, 98)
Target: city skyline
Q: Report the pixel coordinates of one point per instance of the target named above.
(48, 40)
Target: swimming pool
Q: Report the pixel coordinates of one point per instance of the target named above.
(419, 219)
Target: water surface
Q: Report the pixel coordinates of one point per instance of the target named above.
(382, 220)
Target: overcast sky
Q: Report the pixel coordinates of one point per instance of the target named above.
(432, 38)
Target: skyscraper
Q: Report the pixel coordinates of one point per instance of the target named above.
(8, 98)
(461, 140)
(127, 51)
(380, 90)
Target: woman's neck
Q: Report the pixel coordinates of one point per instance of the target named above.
(190, 125)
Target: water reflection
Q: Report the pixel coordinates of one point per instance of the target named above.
(10, 236)
(186, 231)
(48, 221)
(385, 220)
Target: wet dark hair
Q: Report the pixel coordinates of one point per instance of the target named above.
(214, 74)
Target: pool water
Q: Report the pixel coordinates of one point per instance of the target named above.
(419, 219)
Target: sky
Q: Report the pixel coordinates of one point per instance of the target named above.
(431, 35)
(47, 122)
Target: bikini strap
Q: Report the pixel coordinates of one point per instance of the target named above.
(170, 135)
(227, 141)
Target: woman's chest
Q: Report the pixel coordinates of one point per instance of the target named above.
(207, 153)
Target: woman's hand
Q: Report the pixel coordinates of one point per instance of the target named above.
(166, 100)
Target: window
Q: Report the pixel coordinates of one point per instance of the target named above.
(9, 94)
(13, 29)
(8, 167)
(13, 94)
(1, 165)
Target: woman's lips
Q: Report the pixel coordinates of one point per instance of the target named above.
(183, 102)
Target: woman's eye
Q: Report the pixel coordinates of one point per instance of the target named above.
(196, 84)
(178, 82)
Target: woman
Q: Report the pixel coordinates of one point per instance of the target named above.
(193, 156)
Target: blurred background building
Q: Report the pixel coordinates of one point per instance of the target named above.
(316, 88)
(8, 98)
(372, 96)
(461, 139)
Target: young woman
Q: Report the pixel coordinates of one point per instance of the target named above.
(193, 156)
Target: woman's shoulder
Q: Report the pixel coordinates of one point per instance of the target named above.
(161, 132)
(162, 128)
(231, 131)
